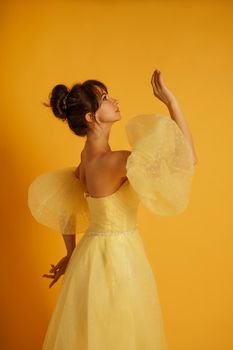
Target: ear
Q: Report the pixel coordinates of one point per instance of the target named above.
(89, 117)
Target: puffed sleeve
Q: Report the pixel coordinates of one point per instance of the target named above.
(160, 167)
(56, 200)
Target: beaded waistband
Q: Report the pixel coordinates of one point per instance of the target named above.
(113, 233)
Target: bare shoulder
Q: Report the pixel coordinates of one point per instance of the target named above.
(112, 163)
(117, 161)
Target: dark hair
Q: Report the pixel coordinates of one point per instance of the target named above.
(72, 104)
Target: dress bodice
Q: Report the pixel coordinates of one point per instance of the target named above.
(115, 212)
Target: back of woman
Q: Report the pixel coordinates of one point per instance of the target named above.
(102, 175)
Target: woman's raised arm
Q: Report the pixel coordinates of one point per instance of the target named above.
(161, 91)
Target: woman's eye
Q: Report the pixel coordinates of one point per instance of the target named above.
(105, 96)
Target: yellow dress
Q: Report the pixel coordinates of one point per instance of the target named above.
(108, 297)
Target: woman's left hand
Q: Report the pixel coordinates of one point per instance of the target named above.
(58, 270)
(160, 90)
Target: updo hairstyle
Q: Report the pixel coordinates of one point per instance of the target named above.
(72, 104)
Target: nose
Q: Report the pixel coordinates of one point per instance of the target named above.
(115, 101)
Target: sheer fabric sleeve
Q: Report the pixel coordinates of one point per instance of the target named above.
(160, 167)
(56, 200)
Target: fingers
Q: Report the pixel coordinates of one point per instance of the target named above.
(155, 83)
(55, 277)
(55, 268)
(51, 268)
(156, 80)
(55, 280)
(57, 271)
(160, 80)
(60, 263)
(48, 276)
(152, 78)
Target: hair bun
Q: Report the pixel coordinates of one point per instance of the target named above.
(58, 99)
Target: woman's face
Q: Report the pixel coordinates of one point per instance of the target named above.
(108, 110)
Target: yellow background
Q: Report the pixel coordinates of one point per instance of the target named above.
(120, 43)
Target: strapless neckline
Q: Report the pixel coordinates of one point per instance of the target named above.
(88, 196)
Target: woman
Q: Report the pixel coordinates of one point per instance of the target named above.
(108, 297)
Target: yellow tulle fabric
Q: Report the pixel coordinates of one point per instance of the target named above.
(159, 170)
(108, 298)
(56, 200)
(160, 167)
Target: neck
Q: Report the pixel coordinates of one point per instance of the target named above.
(97, 140)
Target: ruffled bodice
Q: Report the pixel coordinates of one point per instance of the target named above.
(159, 174)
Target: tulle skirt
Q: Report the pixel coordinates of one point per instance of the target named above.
(108, 298)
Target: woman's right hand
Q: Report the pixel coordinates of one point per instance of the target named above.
(58, 270)
(160, 90)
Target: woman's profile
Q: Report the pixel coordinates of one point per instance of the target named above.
(108, 297)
